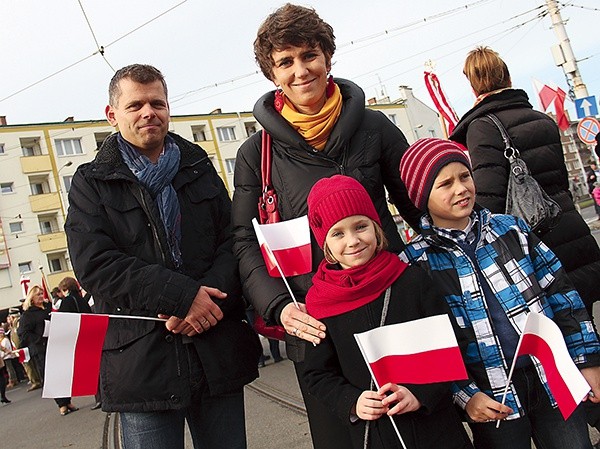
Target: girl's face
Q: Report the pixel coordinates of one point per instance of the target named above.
(301, 72)
(452, 197)
(352, 241)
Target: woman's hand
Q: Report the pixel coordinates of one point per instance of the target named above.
(369, 406)
(592, 375)
(482, 408)
(297, 322)
(402, 396)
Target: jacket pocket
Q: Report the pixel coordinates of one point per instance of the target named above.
(128, 220)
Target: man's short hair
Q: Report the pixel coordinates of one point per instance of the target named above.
(140, 73)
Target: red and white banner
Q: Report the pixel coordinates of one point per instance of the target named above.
(418, 352)
(24, 281)
(543, 339)
(442, 104)
(23, 354)
(45, 288)
(553, 95)
(73, 354)
(287, 244)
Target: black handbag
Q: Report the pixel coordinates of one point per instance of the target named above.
(524, 196)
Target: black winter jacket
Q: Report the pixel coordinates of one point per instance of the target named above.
(537, 137)
(119, 252)
(337, 374)
(363, 144)
(31, 330)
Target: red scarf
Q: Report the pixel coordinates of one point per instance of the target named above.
(336, 291)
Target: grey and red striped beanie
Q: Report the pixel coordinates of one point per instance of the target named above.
(422, 162)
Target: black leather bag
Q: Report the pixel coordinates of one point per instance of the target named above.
(524, 196)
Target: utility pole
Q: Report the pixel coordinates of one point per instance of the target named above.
(563, 54)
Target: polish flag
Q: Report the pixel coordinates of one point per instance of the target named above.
(442, 104)
(543, 339)
(416, 352)
(23, 354)
(287, 244)
(73, 354)
(556, 96)
(24, 281)
(45, 288)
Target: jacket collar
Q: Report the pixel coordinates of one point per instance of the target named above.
(506, 99)
(429, 234)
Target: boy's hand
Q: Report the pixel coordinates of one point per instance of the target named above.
(482, 408)
(592, 375)
(402, 396)
(369, 406)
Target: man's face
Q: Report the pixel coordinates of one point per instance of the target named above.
(142, 115)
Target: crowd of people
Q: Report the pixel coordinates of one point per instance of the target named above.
(152, 233)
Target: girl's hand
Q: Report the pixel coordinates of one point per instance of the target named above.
(300, 324)
(369, 406)
(482, 408)
(592, 375)
(402, 396)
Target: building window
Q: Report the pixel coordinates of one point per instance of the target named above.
(230, 165)
(30, 146)
(67, 182)
(6, 187)
(48, 224)
(392, 118)
(2, 151)
(226, 134)
(46, 227)
(67, 147)
(37, 188)
(199, 133)
(99, 138)
(25, 267)
(15, 227)
(55, 265)
(250, 128)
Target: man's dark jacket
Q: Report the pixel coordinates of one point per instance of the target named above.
(120, 254)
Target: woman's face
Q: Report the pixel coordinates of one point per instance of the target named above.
(38, 299)
(301, 72)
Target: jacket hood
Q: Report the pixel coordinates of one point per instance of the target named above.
(507, 99)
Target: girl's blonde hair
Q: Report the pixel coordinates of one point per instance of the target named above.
(382, 244)
(486, 71)
(30, 294)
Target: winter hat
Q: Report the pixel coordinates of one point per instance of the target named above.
(333, 199)
(422, 162)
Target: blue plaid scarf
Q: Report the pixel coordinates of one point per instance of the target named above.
(157, 178)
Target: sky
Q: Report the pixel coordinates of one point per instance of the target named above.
(51, 68)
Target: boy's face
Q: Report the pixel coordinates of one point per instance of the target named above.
(452, 197)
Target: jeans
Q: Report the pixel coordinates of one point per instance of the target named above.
(541, 422)
(215, 422)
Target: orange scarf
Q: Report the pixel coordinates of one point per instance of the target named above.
(315, 129)
(482, 97)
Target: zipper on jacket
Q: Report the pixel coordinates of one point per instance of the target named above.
(154, 231)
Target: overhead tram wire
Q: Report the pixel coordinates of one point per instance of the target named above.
(99, 51)
(98, 46)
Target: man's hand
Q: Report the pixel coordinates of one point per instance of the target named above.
(299, 323)
(592, 375)
(203, 313)
(482, 408)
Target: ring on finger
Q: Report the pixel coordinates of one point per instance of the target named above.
(296, 331)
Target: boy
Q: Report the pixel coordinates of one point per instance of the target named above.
(493, 271)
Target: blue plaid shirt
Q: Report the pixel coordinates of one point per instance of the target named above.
(524, 275)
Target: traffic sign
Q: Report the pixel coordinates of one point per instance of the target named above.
(586, 107)
(587, 130)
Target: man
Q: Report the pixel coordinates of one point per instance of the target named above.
(149, 235)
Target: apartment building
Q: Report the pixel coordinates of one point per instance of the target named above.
(37, 163)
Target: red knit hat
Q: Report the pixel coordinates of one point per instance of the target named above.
(422, 162)
(333, 199)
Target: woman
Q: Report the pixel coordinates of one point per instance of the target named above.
(537, 137)
(3, 368)
(72, 301)
(319, 127)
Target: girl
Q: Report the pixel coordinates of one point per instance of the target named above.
(360, 286)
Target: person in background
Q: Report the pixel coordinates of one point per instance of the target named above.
(72, 301)
(319, 127)
(31, 329)
(596, 195)
(592, 178)
(493, 271)
(14, 319)
(149, 235)
(3, 372)
(360, 286)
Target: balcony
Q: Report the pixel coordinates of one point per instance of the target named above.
(44, 202)
(36, 164)
(55, 241)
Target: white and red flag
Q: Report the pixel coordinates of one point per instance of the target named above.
(442, 104)
(418, 352)
(543, 339)
(23, 354)
(24, 281)
(287, 244)
(73, 354)
(553, 95)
